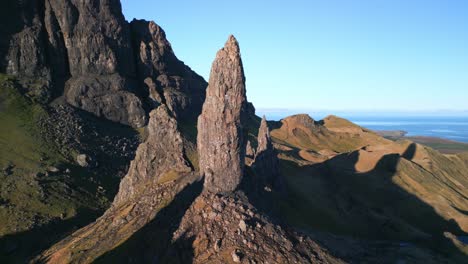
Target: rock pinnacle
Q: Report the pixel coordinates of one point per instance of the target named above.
(220, 139)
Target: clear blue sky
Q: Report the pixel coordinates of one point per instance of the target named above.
(328, 54)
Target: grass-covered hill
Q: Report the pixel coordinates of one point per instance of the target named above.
(44, 193)
(347, 180)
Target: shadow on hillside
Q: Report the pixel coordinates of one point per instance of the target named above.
(10, 23)
(153, 243)
(384, 210)
(21, 247)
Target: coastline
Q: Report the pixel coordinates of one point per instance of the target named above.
(443, 145)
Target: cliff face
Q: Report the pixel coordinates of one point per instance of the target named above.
(163, 77)
(162, 153)
(220, 139)
(87, 52)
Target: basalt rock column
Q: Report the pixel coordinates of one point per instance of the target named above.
(220, 139)
(266, 164)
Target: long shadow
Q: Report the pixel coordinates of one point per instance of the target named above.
(23, 246)
(153, 243)
(11, 22)
(384, 209)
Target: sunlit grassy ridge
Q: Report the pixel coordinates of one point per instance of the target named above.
(371, 187)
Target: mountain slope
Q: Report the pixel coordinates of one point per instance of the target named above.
(398, 191)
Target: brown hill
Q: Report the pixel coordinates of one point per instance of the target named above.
(371, 187)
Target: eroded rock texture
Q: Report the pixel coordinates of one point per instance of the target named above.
(81, 49)
(157, 174)
(86, 51)
(220, 139)
(266, 163)
(164, 78)
(162, 153)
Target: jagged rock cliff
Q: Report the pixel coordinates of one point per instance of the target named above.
(86, 51)
(156, 175)
(162, 153)
(163, 77)
(220, 139)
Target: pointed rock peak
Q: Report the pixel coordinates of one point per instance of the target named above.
(232, 46)
(264, 126)
(249, 150)
(266, 164)
(220, 140)
(264, 139)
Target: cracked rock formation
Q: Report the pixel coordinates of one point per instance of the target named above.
(164, 78)
(162, 153)
(156, 175)
(266, 163)
(81, 49)
(88, 53)
(220, 138)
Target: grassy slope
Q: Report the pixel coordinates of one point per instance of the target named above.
(442, 145)
(400, 200)
(33, 201)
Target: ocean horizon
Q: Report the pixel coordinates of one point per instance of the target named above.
(451, 126)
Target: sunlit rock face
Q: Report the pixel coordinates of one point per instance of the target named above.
(220, 139)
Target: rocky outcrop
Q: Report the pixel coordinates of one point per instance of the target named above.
(156, 175)
(230, 229)
(164, 78)
(107, 96)
(249, 150)
(86, 51)
(162, 153)
(220, 138)
(82, 47)
(266, 163)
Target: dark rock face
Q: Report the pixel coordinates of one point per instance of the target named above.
(220, 139)
(100, 58)
(81, 45)
(164, 78)
(86, 51)
(161, 153)
(108, 97)
(266, 163)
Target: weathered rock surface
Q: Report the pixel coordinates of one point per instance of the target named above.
(220, 139)
(141, 196)
(85, 44)
(85, 161)
(107, 97)
(86, 51)
(266, 163)
(164, 78)
(249, 150)
(161, 153)
(225, 229)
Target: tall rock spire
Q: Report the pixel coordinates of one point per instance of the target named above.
(266, 164)
(220, 139)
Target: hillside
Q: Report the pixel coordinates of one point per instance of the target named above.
(378, 188)
(112, 150)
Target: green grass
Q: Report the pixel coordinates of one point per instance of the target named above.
(31, 198)
(19, 136)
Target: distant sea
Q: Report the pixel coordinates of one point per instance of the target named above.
(441, 126)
